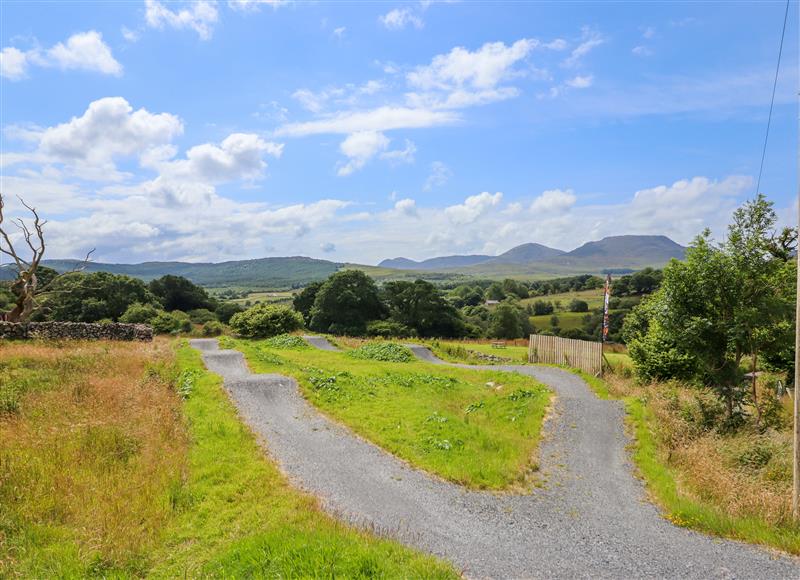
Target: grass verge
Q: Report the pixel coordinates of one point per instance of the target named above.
(727, 486)
(480, 429)
(239, 517)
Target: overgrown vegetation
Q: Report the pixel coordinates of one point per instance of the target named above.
(383, 351)
(477, 428)
(118, 461)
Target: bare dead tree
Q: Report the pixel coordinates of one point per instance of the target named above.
(26, 286)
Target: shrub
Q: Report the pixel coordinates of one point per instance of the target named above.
(139, 313)
(383, 351)
(263, 320)
(213, 328)
(578, 306)
(388, 328)
(171, 322)
(286, 341)
(226, 310)
(201, 316)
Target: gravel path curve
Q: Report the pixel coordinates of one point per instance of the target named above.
(591, 519)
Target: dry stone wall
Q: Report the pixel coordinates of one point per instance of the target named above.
(75, 331)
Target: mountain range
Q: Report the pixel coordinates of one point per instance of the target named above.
(609, 253)
(620, 253)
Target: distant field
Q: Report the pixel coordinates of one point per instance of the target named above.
(566, 320)
(593, 297)
(270, 297)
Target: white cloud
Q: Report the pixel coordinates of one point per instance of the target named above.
(439, 175)
(641, 51)
(590, 39)
(380, 119)
(407, 207)
(553, 201)
(473, 207)
(85, 51)
(339, 32)
(200, 16)
(399, 18)
(405, 155)
(360, 147)
(327, 247)
(82, 51)
(130, 35)
(252, 5)
(580, 82)
(109, 128)
(648, 32)
(13, 63)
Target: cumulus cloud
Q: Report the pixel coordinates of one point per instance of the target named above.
(407, 207)
(399, 18)
(405, 155)
(553, 200)
(109, 128)
(473, 207)
(360, 147)
(580, 82)
(82, 51)
(253, 5)
(199, 16)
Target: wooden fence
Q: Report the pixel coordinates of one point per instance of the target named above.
(580, 354)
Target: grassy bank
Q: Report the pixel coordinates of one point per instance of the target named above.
(128, 460)
(477, 428)
(735, 485)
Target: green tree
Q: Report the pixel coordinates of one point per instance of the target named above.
(495, 292)
(724, 302)
(421, 306)
(139, 313)
(303, 301)
(264, 320)
(576, 305)
(508, 320)
(80, 297)
(179, 293)
(226, 310)
(345, 302)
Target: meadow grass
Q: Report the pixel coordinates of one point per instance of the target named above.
(566, 320)
(239, 517)
(480, 429)
(458, 351)
(594, 298)
(734, 485)
(91, 443)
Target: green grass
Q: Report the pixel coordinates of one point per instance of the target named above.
(461, 352)
(661, 480)
(566, 320)
(444, 420)
(593, 297)
(239, 517)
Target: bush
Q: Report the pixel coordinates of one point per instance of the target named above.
(226, 310)
(201, 316)
(286, 341)
(213, 328)
(388, 328)
(578, 306)
(139, 313)
(383, 351)
(171, 322)
(263, 321)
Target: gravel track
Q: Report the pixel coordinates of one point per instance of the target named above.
(591, 519)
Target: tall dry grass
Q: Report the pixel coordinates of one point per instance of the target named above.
(89, 453)
(746, 472)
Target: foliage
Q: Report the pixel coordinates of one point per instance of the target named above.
(508, 320)
(213, 328)
(283, 341)
(82, 297)
(303, 301)
(226, 310)
(645, 281)
(540, 307)
(495, 292)
(179, 293)
(578, 306)
(422, 307)
(138, 313)
(264, 320)
(388, 329)
(383, 351)
(171, 322)
(725, 301)
(201, 316)
(345, 303)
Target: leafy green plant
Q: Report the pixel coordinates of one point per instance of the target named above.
(286, 341)
(383, 351)
(264, 320)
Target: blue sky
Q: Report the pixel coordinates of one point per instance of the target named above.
(360, 131)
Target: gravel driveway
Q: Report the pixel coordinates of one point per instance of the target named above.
(591, 519)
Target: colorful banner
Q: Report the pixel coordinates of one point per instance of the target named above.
(606, 295)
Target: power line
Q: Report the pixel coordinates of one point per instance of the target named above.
(772, 102)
